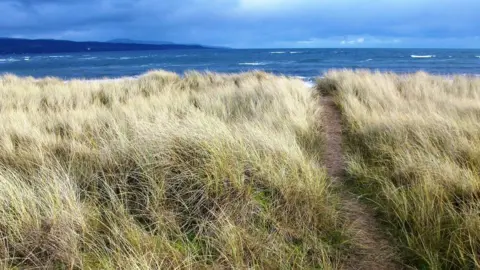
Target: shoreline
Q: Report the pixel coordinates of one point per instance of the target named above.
(308, 81)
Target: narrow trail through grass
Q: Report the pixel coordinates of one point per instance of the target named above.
(374, 250)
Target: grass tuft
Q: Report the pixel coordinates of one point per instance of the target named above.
(200, 171)
(413, 144)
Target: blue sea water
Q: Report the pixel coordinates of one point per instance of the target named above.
(304, 63)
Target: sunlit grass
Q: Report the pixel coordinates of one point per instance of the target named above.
(413, 144)
(201, 171)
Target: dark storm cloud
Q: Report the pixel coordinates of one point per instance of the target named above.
(248, 23)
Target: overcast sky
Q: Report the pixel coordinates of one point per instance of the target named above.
(251, 23)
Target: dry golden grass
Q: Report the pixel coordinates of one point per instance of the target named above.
(204, 171)
(414, 147)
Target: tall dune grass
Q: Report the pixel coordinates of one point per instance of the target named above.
(414, 147)
(194, 172)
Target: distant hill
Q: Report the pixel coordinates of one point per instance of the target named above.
(22, 46)
(132, 41)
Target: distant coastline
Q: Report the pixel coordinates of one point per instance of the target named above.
(45, 46)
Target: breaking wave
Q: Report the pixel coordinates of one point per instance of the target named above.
(253, 64)
(422, 56)
(59, 56)
(8, 60)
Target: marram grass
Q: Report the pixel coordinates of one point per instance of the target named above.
(413, 145)
(194, 172)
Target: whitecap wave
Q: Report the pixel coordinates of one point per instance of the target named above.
(88, 58)
(130, 57)
(59, 56)
(309, 84)
(278, 52)
(477, 56)
(253, 64)
(7, 60)
(423, 56)
(295, 52)
(367, 60)
(309, 81)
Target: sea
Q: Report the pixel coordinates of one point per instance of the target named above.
(306, 64)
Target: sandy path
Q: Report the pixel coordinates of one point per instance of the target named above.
(374, 250)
